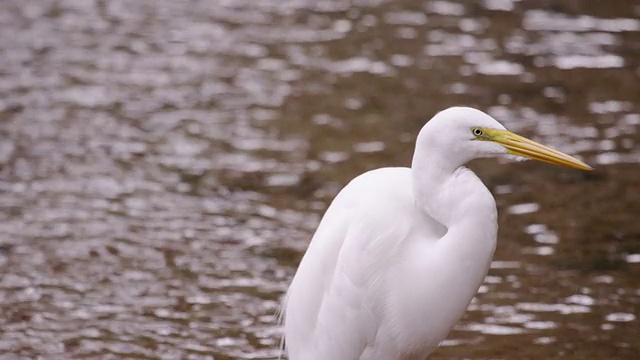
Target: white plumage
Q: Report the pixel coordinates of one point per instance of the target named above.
(401, 252)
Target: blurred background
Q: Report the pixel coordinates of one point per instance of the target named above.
(163, 165)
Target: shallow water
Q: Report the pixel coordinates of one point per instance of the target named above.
(164, 164)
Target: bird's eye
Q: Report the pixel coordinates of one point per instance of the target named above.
(477, 131)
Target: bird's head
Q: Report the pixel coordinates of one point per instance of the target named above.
(463, 134)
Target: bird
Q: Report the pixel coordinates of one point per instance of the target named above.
(400, 252)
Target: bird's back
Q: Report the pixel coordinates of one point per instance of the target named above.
(335, 303)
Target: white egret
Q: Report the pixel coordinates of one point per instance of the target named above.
(401, 252)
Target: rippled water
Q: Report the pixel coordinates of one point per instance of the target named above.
(164, 164)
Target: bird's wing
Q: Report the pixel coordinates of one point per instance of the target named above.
(332, 307)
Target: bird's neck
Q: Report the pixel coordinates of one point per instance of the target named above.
(448, 192)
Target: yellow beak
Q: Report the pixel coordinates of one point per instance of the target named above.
(521, 146)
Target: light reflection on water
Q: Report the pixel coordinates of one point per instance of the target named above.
(165, 164)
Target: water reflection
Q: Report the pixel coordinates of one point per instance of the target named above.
(164, 164)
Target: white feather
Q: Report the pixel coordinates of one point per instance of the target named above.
(399, 254)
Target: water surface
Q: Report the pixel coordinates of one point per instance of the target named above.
(163, 165)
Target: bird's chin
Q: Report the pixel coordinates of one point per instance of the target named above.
(492, 150)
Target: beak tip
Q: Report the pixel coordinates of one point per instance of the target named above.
(586, 166)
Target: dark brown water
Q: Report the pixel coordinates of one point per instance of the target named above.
(164, 163)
